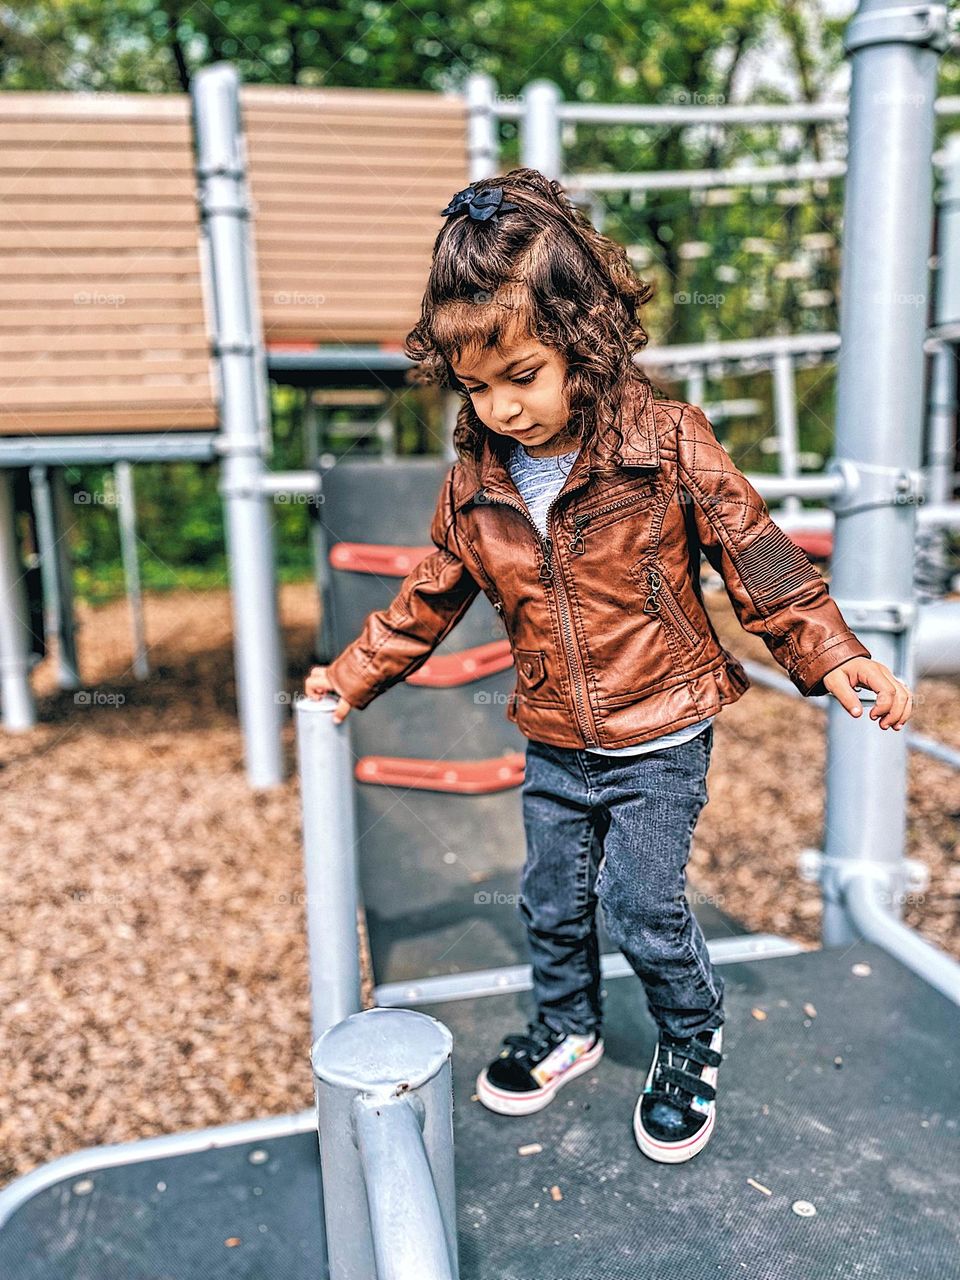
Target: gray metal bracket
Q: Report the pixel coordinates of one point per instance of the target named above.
(868, 485)
(921, 24)
(878, 615)
(899, 881)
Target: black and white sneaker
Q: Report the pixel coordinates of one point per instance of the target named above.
(529, 1070)
(676, 1113)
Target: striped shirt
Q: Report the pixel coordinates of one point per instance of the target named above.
(539, 480)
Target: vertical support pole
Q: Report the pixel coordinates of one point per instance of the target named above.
(696, 386)
(785, 413)
(384, 1095)
(16, 696)
(64, 516)
(53, 520)
(127, 521)
(942, 416)
(540, 128)
(325, 763)
(894, 52)
(324, 637)
(260, 668)
(483, 138)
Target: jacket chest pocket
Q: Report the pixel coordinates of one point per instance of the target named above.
(588, 520)
(660, 600)
(531, 667)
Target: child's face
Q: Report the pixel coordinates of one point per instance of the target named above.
(519, 393)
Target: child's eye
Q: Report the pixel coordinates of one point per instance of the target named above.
(521, 382)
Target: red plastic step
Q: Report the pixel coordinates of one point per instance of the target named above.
(462, 777)
(446, 670)
(373, 557)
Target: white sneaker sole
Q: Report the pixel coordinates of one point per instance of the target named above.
(676, 1152)
(672, 1152)
(506, 1103)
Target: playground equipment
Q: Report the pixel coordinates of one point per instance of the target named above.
(839, 1111)
(263, 279)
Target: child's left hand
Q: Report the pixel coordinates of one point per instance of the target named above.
(894, 700)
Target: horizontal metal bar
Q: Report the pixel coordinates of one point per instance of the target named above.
(91, 1159)
(496, 982)
(282, 482)
(690, 179)
(692, 114)
(171, 446)
(863, 892)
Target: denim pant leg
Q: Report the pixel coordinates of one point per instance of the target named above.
(650, 806)
(557, 900)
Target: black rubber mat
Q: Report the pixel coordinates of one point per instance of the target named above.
(853, 1110)
(252, 1211)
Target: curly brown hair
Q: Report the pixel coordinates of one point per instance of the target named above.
(542, 271)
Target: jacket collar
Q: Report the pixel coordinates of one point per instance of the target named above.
(640, 448)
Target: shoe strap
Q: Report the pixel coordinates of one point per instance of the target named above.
(694, 1049)
(686, 1081)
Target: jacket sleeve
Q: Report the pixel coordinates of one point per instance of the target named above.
(395, 641)
(775, 590)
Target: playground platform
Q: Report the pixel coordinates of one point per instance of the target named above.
(851, 1111)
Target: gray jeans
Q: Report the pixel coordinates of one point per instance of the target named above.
(616, 830)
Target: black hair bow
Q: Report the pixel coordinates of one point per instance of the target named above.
(480, 205)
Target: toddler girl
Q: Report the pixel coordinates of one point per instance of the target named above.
(580, 506)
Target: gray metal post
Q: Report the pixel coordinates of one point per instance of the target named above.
(483, 136)
(384, 1094)
(942, 416)
(894, 52)
(53, 519)
(325, 763)
(540, 128)
(785, 414)
(324, 638)
(260, 668)
(127, 522)
(696, 386)
(16, 695)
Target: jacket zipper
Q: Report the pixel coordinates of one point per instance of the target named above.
(547, 576)
(652, 603)
(577, 543)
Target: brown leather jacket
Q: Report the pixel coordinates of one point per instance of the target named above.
(611, 642)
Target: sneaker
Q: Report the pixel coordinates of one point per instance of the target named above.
(676, 1113)
(531, 1068)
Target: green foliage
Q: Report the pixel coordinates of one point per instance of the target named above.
(755, 266)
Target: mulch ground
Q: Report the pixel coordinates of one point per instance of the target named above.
(153, 976)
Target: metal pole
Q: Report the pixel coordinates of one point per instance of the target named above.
(894, 53)
(696, 389)
(941, 444)
(384, 1095)
(785, 413)
(258, 653)
(324, 638)
(16, 696)
(55, 570)
(63, 522)
(540, 128)
(127, 520)
(483, 135)
(325, 763)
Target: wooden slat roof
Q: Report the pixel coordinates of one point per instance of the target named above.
(102, 323)
(347, 187)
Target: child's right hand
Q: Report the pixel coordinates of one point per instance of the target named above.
(317, 684)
